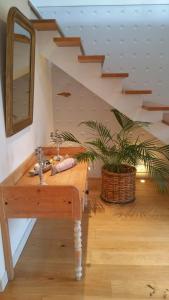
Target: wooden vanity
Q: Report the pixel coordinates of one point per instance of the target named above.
(63, 198)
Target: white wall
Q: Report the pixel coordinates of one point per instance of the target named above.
(17, 148)
(5, 5)
(82, 105)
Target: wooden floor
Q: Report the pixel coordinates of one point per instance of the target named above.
(126, 253)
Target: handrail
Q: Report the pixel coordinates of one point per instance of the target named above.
(34, 9)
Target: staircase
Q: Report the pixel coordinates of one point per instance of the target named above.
(68, 54)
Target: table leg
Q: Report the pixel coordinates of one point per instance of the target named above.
(78, 249)
(6, 242)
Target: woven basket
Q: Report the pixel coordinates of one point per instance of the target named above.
(119, 187)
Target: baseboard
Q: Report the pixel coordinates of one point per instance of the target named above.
(3, 281)
(18, 251)
(23, 241)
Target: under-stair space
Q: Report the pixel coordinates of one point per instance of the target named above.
(69, 54)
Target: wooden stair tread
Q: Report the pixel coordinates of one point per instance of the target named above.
(150, 106)
(46, 24)
(91, 58)
(115, 75)
(137, 92)
(69, 42)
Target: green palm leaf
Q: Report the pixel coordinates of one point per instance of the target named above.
(87, 156)
(103, 132)
(99, 145)
(127, 123)
(164, 150)
(159, 171)
(69, 137)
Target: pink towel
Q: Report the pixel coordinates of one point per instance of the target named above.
(64, 165)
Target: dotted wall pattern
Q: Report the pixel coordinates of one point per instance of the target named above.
(135, 39)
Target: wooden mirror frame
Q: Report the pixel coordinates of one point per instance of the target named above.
(15, 15)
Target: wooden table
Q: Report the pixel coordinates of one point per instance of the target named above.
(62, 198)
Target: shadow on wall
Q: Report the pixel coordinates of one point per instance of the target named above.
(3, 58)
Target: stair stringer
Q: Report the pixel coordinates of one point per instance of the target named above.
(89, 75)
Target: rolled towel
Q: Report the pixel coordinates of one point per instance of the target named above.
(64, 165)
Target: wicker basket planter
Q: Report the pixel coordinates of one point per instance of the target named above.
(119, 187)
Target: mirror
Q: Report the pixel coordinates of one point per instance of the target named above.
(20, 56)
(21, 73)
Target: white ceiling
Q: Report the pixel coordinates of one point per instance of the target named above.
(40, 3)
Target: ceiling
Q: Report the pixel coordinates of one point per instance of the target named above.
(40, 3)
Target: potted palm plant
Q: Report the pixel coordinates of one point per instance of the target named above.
(120, 153)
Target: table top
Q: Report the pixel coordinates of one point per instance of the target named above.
(75, 176)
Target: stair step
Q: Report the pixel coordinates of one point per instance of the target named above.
(91, 58)
(46, 25)
(137, 92)
(150, 106)
(115, 75)
(166, 119)
(69, 42)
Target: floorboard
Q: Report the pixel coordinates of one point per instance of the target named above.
(126, 253)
